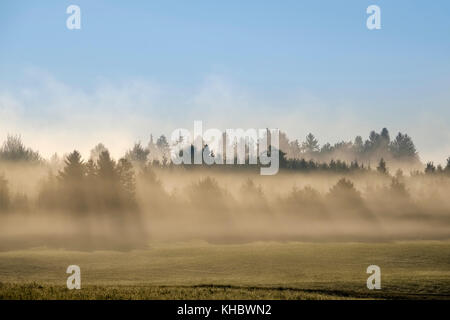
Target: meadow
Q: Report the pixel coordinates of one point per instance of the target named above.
(258, 270)
(148, 229)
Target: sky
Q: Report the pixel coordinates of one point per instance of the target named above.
(141, 67)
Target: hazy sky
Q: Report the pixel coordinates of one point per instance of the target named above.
(137, 67)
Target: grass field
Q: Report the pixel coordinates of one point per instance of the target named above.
(266, 270)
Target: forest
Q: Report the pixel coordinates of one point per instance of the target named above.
(376, 189)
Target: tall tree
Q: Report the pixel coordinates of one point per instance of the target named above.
(358, 145)
(163, 148)
(311, 144)
(374, 139)
(108, 182)
(403, 147)
(106, 167)
(385, 136)
(384, 142)
(127, 181)
(72, 179)
(74, 169)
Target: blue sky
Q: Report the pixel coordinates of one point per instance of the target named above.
(153, 66)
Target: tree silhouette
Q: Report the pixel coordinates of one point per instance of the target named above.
(373, 142)
(206, 194)
(447, 167)
(385, 138)
(106, 167)
(326, 148)
(382, 167)
(358, 145)
(138, 154)
(116, 183)
(108, 182)
(72, 179)
(306, 202)
(14, 150)
(96, 151)
(430, 168)
(403, 147)
(74, 170)
(344, 190)
(345, 196)
(311, 144)
(163, 148)
(127, 181)
(91, 169)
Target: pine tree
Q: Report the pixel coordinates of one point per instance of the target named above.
(109, 184)
(138, 154)
(74, 170)
(106, 167)
(311, 144)
(72, 181)
(403, 147)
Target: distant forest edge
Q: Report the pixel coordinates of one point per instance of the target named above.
(101, 202)
(308, 155)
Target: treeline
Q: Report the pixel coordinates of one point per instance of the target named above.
(431, 169)
(305, 159)
(105, 186)
(13, 150)
(127, 196)
(80, 187)
(378, 145)
(97, 186)
(12, 202)
(371, 150)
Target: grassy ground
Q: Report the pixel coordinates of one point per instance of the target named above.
(412, 270)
